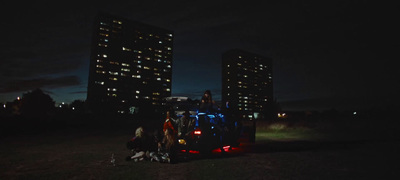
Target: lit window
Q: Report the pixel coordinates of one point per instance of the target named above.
(158, 79)
(99, 82)
(137, 92)
(116, 21)
(113, 73)
(104, 55)
(126, 70)
(103, 34)
(126, 49)
(102, 45)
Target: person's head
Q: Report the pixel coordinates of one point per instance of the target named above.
(139, 131)
(207, 94)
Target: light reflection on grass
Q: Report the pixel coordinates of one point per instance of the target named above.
(284, 131)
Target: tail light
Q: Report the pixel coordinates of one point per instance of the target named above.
(197, 132)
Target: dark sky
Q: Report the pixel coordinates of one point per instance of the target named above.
(338, 54)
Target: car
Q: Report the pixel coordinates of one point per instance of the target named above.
(211, 131)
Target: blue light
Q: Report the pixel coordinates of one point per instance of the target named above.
(197, 121)
(211, 116)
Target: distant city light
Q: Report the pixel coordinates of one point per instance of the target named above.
(281, 115)
(18, 98)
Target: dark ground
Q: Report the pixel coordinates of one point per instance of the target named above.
(348, 151)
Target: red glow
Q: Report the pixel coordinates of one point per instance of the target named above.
(228, 149)
(197, 132)
(191, 151)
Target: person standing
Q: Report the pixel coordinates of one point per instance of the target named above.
(207, 103)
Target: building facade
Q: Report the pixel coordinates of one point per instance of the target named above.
(247, 85)
(130, 66)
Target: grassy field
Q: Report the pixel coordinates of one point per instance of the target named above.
(281, 151)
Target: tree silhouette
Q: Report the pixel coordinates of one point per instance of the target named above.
(36, 104)
(78, 106)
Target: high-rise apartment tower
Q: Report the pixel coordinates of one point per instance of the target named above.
(130, 66)
(247, 84)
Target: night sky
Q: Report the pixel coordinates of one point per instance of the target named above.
(338, 54)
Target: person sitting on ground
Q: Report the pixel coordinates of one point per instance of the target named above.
(167, 146)
(137, 145)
